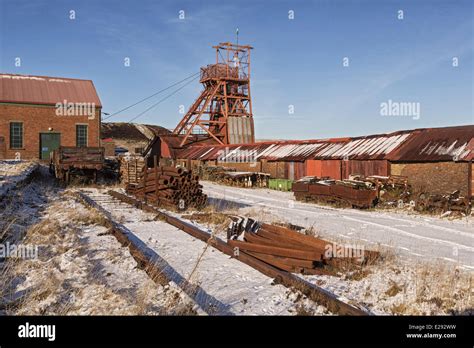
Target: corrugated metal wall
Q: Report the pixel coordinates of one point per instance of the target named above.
(331, 168)
(313, 168)
(338, 169)
(291, 170)
(366, 168)
(240, 130)
(320, 168)
(295, 170)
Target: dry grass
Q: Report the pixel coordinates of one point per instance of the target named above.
(217, 219)
(214, 218)
(3, 233)
(157, 277)
(7, 292)
(445, 287)
(92, 217)
(359, 274)
(47, 233)
(424, 288)
(399, 309)
(393, 289)
(302, 310)
(394, 286)
(144, 298)
(67, 279)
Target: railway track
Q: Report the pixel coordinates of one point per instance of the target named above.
(112, 203)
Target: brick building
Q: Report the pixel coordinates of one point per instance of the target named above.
(437, 160)
(40, 113)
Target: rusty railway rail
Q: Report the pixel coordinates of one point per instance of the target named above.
(285, 278)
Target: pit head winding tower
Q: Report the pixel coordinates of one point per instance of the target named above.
(223, 111)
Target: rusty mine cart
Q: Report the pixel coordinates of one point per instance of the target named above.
(82, 161)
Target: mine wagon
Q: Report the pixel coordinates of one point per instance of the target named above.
(69, 160)
(336, 191)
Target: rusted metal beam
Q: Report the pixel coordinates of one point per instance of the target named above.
(276, 251)
(288, 261)
(275, 239)
(296, 236)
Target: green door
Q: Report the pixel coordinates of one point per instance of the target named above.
(48, 143)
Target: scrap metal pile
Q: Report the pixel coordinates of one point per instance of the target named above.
(357, 192)
(231, 177)
(172, 187)
(436, 203)
(290, 250)
(391, 189)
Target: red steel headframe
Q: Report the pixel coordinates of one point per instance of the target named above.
(223, 110)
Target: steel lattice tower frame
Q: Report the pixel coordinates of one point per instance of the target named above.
(223, 110)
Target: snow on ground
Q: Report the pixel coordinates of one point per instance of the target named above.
(79, 270)
(234, 287)
(392, 287)
(83, 272)
(21, 207)
(412, 236)
(13, 172)
(387, 287)
(414, 277)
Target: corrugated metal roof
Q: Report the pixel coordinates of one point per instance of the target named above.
(28, 89)
(288, 151)
(372, 147)
(469, 156)
(438, 144)
(413, 145)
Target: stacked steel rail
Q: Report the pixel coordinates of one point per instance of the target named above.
(169, 186)
(295, 252)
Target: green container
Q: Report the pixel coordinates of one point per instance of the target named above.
(280, 184)
(273, 184)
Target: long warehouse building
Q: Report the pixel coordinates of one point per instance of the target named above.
(437, 160)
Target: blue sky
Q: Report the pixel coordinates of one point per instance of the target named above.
(295, 62)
